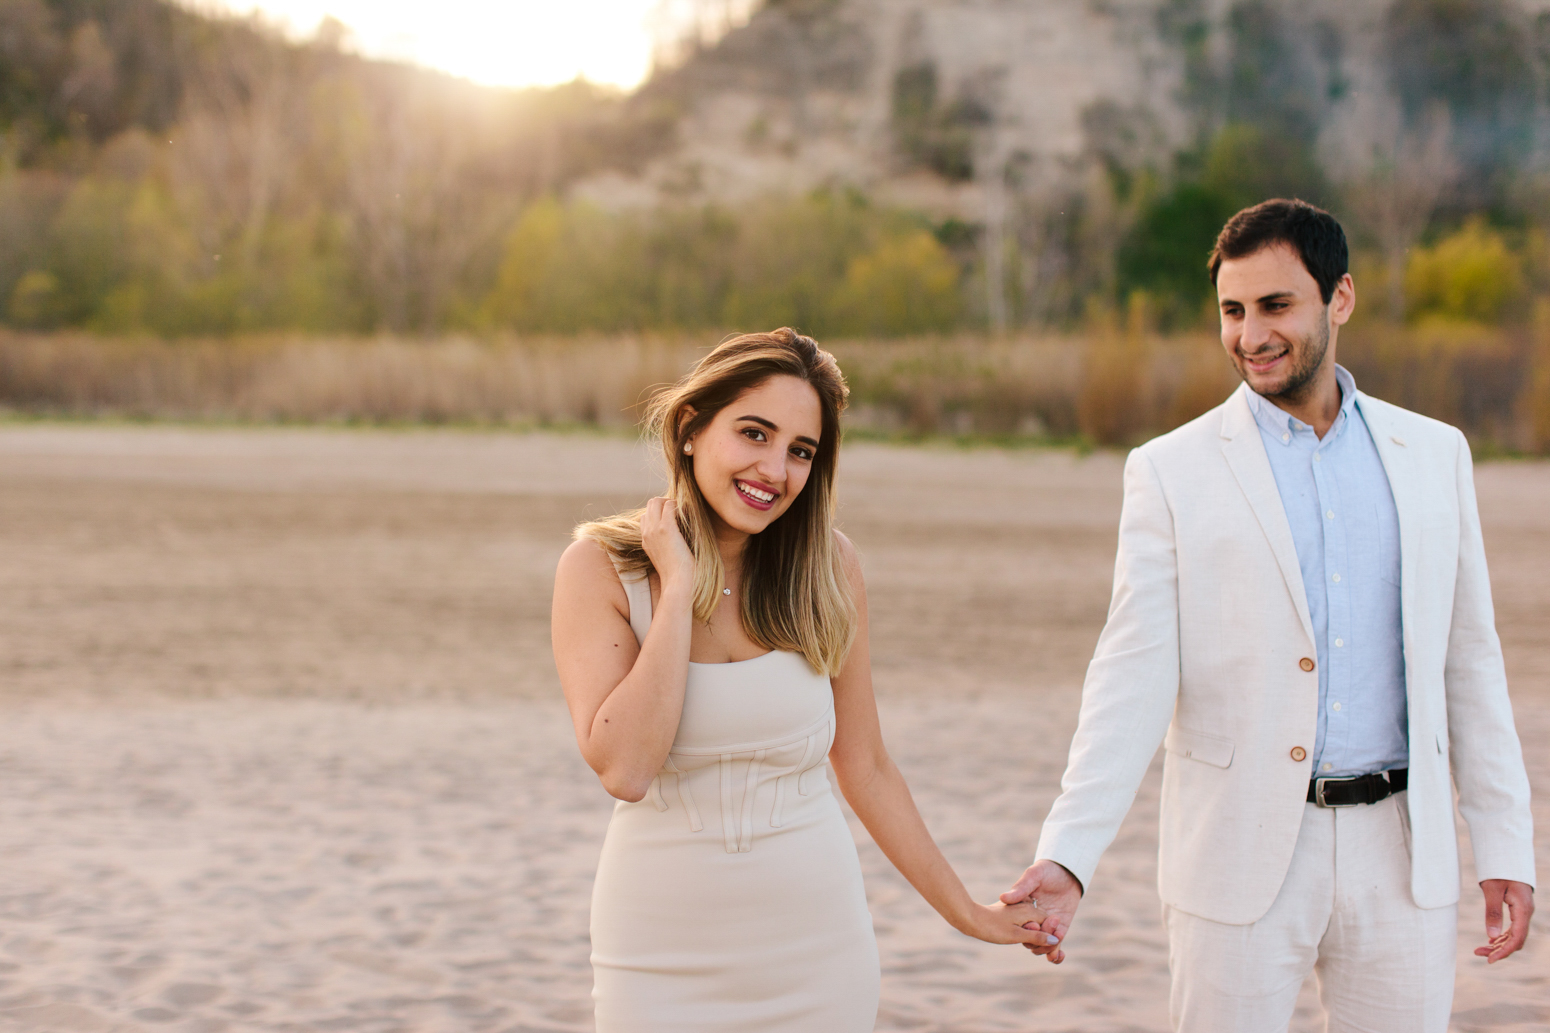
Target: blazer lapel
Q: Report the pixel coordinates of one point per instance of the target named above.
(1245, 454)
(1395, 456)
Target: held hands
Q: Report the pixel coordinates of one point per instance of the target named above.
(1058, 894)
(1008, 923)
(664, 542)
(1519, 899)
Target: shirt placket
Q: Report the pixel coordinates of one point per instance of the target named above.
(1338, 610)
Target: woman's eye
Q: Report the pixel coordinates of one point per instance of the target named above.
(802, 453)
(753, 434)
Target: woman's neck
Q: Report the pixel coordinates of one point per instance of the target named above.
(731, 543)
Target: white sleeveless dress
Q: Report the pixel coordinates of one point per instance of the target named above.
(729, 900)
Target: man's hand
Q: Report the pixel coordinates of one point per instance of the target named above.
(1058, 893)
(1519, 898)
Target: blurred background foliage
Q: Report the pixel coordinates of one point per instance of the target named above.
(168, 174)
(832, 263)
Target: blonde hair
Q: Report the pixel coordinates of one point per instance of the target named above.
(795, 592)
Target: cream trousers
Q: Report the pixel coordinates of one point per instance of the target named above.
(1345, 912)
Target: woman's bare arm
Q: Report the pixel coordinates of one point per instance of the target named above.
(878, 794)
(625, 700)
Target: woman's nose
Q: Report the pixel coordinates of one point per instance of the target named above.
(773, 469)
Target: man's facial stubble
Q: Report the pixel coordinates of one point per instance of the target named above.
(1307, 352)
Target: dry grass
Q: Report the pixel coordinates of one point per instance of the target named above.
(1111, 385)
(1536, 402)
(455, 380)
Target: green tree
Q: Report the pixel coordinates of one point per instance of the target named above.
(1469, 276)
(908, 284)
(571, 267)
(789, 256)
(1165, 255)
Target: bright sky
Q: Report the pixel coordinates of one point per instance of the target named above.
(499, 42)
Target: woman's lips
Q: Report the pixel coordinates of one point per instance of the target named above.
(759, 498)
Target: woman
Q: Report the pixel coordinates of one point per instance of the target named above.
(713, 651)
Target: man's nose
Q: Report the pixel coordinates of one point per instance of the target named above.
(1256, 333)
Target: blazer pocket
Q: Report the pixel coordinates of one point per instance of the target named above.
(1208, 749)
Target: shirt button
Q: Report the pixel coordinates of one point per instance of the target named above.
(1317, 457)
(1337, 706)
(1330, 514)
(1336, 577)
(1327, 766)
(1306, 663)
(1299, 754)
(1339, 641)
(1286, 437)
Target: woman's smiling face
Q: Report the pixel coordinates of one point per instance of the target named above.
(754, 456)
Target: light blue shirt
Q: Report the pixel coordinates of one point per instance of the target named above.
(1346, 529)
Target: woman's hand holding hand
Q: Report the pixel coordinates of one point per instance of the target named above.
(1004, 923)
(664, 543)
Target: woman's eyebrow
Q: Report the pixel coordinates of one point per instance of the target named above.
(761, 421)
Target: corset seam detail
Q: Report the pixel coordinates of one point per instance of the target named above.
(728, 818)
(685, 795)
(745, 812)
(823, 719)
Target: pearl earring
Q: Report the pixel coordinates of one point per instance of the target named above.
(688, 448)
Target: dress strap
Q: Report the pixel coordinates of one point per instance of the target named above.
(637, 589)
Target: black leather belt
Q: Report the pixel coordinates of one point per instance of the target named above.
(1348, 792)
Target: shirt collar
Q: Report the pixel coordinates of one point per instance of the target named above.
(1282, 425)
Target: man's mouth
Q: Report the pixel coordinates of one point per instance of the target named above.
(758, 498)
(1265, 361)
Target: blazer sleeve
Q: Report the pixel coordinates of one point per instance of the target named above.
(1131, 684)
(1487, 759)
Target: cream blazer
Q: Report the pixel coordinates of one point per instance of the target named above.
(1205, 650)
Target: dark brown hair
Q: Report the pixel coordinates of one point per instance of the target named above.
(1312, 232)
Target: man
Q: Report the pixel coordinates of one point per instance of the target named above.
(1301, 604)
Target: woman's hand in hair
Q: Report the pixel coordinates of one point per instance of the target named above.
(664, 543)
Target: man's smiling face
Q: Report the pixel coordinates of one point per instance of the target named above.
(1276, 326)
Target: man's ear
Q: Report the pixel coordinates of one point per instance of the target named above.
(1343, 303)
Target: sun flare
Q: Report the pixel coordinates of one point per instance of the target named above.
(506, 43)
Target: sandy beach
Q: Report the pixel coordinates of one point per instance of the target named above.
(282, 748)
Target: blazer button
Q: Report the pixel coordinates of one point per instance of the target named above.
(1299, 754)
(1306, 663)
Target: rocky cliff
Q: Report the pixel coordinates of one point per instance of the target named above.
(931, 103)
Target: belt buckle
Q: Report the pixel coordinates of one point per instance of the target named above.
(1318, 791)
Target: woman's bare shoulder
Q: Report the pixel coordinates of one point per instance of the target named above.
(586, 569)
(850, 556)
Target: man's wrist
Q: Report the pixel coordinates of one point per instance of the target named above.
(1080, 889)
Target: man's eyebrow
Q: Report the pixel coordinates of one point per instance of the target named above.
(1278, 296)
(761, 421)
